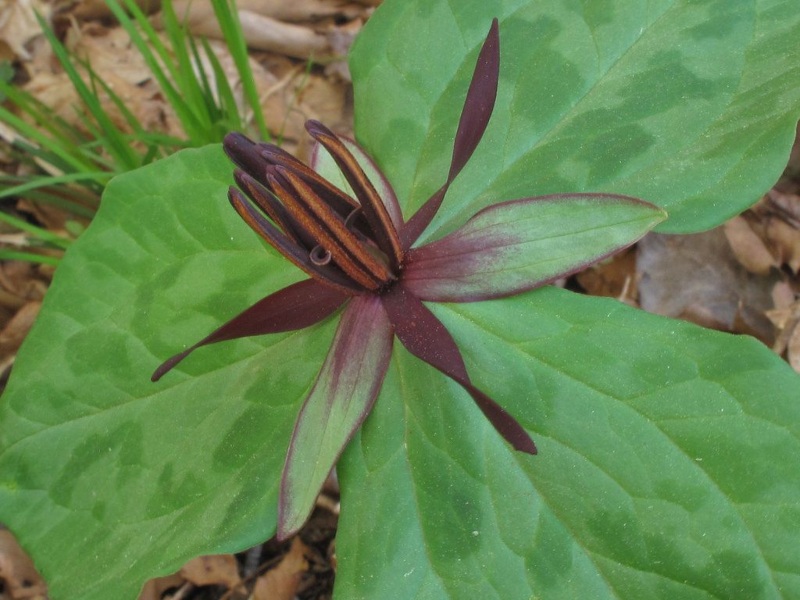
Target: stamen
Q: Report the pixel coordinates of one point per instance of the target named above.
(343, 243)
(383, 231)
(330, 274)
(334, 197)
(266, 201)
(327, 228)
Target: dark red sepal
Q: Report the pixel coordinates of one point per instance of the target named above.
(297, 306)
(426, 337)
(475, 116)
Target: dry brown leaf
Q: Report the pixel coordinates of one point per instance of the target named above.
(300, 10)
(217, 569)
(790, 181)
(265, 33)
(768, 235)
(52, 218)
(793, 349)
(98, 9)
(748, 247)
(18, 26)
(20, 282)
(781, 319)
(281, 583)
(17, 328)
(783, 295)
(155, 588)
(17, 573)
(301, 96)
(786, 204)
(110, 53)
(697, 278)
(614, 278)
(118, 63)
(786, 239)
(271, 25)
(786, 318)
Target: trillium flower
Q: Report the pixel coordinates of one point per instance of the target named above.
(361, 257)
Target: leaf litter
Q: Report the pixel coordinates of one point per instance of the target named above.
(741, 278)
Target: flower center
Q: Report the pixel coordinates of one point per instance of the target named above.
(348, 243)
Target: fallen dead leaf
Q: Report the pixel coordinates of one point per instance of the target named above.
(748, 247)
(217, 569)
(98, 9)
(297, 11)
(698, 278)
(261, 32)
(20, 282)
(793, 349)
(18, 26)
(613, 278)
(300, 96)
(787, 239)
(16, 329)
(788, 340)
(275, 25)
(281, 583)
(18, 576)
(790, 180)
(786, 319)
(768, 235)
(154, 589)
(118, 63)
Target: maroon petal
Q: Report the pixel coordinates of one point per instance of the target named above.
(471, 126)
(294, 307)
(479, 103)
(427, 338)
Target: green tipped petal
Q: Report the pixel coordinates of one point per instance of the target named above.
(516, 246)
(340, 399)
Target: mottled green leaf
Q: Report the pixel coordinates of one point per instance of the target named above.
(668, 453)
(689, 104)
(667, 464)
(107, 478)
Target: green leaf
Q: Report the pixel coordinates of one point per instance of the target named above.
(689, 104)
(667, 463)
(668, 453)
(107, 478)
